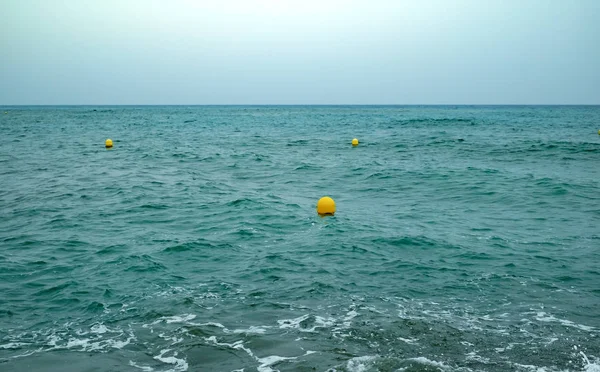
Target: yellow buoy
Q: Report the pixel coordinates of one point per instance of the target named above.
(599, 132)
(326, 206)
(355, 142)
(108, 143)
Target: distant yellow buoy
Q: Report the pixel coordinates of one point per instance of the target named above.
(599, 132)
(355, 142)
(326, 206)
(108, 143)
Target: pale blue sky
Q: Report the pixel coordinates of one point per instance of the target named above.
(300, 52)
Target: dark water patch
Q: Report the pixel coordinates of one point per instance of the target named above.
(550, 148)
(308, 167)
(112, 249)
(149, 207)
(53, 290)
(39, 263)
(244, 203)
(301, 142)
(198, 246)
(147, 266)
(414, 242)
(95, 307)
(436, 121)
(567, 278)
(379, 175)
(138, 263)
(476, 256)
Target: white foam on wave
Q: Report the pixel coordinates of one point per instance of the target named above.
(180, 364)
(210, 324)
(510, 346)
(253, 330)
(171, 291)
(238, 345)
(75, 342)
(27, 353)
(543, 317)
(265, 363)
(208, 295)
(102, 345)
(95, 340)
(143, 368)
(187, 319)
(295, 323)
(347, 321)
(116, 344)
(53, 340)
(268, 361)
(374, 310)
(592, 367)
(320, 322)
(175, 319)
(173, 339)
(433, 363)
(477, 358)
(99, 328)
(292, 323)
(411, 341)
(361, 364)
(529, 367)
(589, 366)
(13, 345)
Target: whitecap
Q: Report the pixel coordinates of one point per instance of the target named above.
(433, 363)
(143, 368)
(253, 330)
(543, 317)
(99, 329)
(476, 357)
(13, 345)
(408, 340)
(175, 319)
(589, 367)
(53, 339)
(267, 362)
(74, 342)
(180, 364)
(360, 364)
(292, 323)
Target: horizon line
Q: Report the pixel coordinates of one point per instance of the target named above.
(299, 104)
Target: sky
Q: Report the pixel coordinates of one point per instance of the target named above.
(123, 52)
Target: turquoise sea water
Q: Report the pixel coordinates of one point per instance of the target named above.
(465, 239)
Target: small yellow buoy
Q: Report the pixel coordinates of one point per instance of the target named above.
(355, 142)
(108, 143)
(326, 206)
(599, 132)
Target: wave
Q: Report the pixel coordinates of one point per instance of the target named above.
(437, 121)
(548, 148)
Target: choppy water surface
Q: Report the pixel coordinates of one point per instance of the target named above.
(465, 239)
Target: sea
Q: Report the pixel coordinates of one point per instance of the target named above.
(466, 238)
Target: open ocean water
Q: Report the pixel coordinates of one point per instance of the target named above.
(465, 238)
